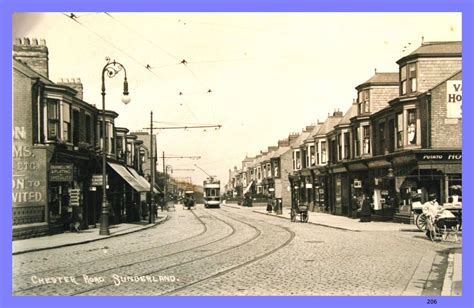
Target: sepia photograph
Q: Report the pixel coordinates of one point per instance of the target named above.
(237, 154)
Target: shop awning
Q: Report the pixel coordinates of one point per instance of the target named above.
(378, 164)
(141, 179)
(356, 166)
(248, 188)
(128, 177)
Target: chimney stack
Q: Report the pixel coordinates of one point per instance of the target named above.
(33, 54)
(74, 83)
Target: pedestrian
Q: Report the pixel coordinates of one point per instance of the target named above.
(365, 211)
(269, 205)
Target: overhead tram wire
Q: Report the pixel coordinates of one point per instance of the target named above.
(142, 36)
(73, 17)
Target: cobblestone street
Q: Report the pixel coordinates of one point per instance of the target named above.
(235, 251)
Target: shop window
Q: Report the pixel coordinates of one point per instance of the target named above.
(400, 130)
(53, 119)
(66, 122)
(366, 132)
(347, 145)
(323, 152)
(411, 126)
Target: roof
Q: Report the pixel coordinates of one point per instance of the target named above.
(300, 140)
(328, 125)
(391, 78)
(29, 72)
(280, 151)
(448, 48)
(351, 112)
(314, 131)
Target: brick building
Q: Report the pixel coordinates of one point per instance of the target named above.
(57, 147)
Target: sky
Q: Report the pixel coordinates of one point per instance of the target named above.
(270, 74)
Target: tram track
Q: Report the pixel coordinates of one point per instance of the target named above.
(221, 273)
(139, 252)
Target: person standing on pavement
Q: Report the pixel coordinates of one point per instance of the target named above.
(365, 211)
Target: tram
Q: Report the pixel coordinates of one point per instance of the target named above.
(212, 193)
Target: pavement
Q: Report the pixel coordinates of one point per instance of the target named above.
(345, 223)
(82, 237)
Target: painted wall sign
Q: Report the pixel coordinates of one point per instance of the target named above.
(440, 156)
(61, 172)
(454, 98)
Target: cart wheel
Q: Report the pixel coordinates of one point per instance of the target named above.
(293, 216)
(421, 222)
(306, 217)
(444, 235)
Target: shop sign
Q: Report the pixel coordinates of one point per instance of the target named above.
(309, 185)
(97, 180)
(61, 172)
(440, 156)
(454, 98)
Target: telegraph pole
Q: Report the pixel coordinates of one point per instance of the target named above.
(165, 175)
(151, 210)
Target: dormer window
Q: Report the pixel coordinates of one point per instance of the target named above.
(408, 78)
(364, 101)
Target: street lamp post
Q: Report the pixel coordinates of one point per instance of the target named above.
(112, 68)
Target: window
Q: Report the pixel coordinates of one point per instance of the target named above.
(356, 142)
(66, 113)
(318, 159)
(339, 146)
(364, 102)
(269, 171)
(323, 152)
(400, 130)
(298, 160)
(76, 127)
(275, 169)
(408, 78)
(391, 136)
(88, 129)
(381, 142)
(403, 79)
(347, 141)
(366, 131)
(411, 126)
(110, 138)
(311, 155)
(412, 77)
(53, 119)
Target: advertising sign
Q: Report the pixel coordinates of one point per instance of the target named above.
(61, 172)
(454, 98)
